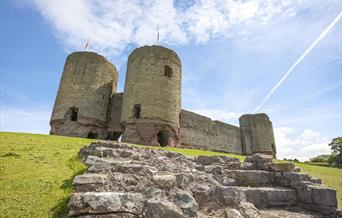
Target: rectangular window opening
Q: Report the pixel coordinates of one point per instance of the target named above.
(137, 111)
(168, 71)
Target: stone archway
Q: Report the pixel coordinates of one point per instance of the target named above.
(163, 138)
(92, 135)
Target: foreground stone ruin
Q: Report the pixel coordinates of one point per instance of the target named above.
(124, 181)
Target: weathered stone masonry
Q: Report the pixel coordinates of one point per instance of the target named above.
(149, 111)
(201, 132)
(83, 97)
(152, 97)
(126, 181)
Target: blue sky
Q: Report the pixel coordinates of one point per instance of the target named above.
(233, 53)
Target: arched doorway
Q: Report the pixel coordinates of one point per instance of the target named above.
(114, 136)
(163, 138)
(72, 114)
(92, 135)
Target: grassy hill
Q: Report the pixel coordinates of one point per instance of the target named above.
(36, 173)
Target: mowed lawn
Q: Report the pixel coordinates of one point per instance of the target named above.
(36, 173)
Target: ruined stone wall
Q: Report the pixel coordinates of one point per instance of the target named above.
(152, 97)
(127, 181)
(201, 132)
(257, 134)
(114, 126)
(81, 106)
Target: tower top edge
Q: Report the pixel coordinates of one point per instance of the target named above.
(92, 55)
(153, 49)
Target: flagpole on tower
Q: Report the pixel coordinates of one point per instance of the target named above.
(158, 35)
(87, 45)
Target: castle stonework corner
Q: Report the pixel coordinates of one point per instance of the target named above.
(257, 134)
(87, 84)
(149, 110)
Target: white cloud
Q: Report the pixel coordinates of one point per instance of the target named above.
(24, 120)
(112, 25)
(308, 144)
(222, 115)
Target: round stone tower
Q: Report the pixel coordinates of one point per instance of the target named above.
(152, 97)
(83, 98)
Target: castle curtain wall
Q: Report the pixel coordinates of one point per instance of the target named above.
(201, 132)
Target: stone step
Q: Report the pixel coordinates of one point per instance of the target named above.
(91, 182)
(94, 160)
(97, 203)
(294, 212)
(253, 178)
(261, 197)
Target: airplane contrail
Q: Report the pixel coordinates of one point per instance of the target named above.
(320, 37)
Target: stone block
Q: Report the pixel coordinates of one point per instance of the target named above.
(248, 210)
(316, 197)
(125, 153)
(229, 195)
(105, 202)
(202, 193)
(186, 203)
(261, 197)
(232, 213)
(250, 177)
(90, 179)
(227, 159)
(224, 180)
(91, 183)
(282, 167)
(287, 179)
(324, 196)
(156, 207)
(164, 181)
(281, 198)
(131, 168)
(233, 165)
(304, 193)
(104, 152)
(246, 166)
(208, 160)
(214, 169)
(264, 197)
(98, 151)
(258, 158)
(93, 160)
(200, 167)
(182, 180)
(260, 161)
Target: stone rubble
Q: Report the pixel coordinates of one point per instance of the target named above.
(125, 181)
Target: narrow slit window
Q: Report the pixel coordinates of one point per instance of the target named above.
(137, 111)
(168, 71)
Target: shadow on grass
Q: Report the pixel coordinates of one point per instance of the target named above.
(11, 154)
(61, 208)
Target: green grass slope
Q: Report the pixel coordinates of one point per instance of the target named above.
(36, 173)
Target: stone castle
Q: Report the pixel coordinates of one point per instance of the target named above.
(149, 111)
